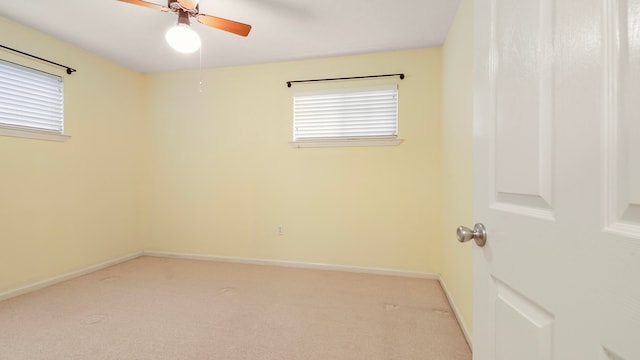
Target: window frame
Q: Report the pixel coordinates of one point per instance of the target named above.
(347, 140)
(34, 132)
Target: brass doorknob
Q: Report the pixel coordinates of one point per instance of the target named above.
(479, 234)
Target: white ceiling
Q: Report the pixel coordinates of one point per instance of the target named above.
(282, 29)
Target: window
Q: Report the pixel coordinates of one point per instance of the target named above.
(31, 103)
(346, 117)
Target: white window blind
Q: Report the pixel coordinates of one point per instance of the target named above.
(346, 113)
(30, 99)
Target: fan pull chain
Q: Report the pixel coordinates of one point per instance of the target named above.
(201, 69)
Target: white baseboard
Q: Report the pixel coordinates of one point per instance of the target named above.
(295, 264)
(66, 276)
(456, 312)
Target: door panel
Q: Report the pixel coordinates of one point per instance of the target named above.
(521, 97)
(623, 60)
(522, 327)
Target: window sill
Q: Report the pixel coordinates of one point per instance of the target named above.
(346, 142)
(32, 134)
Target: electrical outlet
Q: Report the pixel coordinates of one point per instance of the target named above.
(280, 230)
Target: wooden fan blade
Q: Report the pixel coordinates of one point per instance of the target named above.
(188, 4)
(224, 24)
(147, 4)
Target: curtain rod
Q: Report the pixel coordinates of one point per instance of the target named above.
(344, 78)
(69, 70)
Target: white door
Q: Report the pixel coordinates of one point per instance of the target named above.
(557, 179)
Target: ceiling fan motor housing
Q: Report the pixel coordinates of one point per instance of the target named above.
(178, 7)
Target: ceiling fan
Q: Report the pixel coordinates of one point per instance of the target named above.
(191, 8)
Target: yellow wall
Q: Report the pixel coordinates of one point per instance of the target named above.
(153, 163)
(222, 176)
(68, 205)
(457, 157)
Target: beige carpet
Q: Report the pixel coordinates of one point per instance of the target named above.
(154, 308)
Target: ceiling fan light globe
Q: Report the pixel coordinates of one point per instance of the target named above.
(183, 39)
